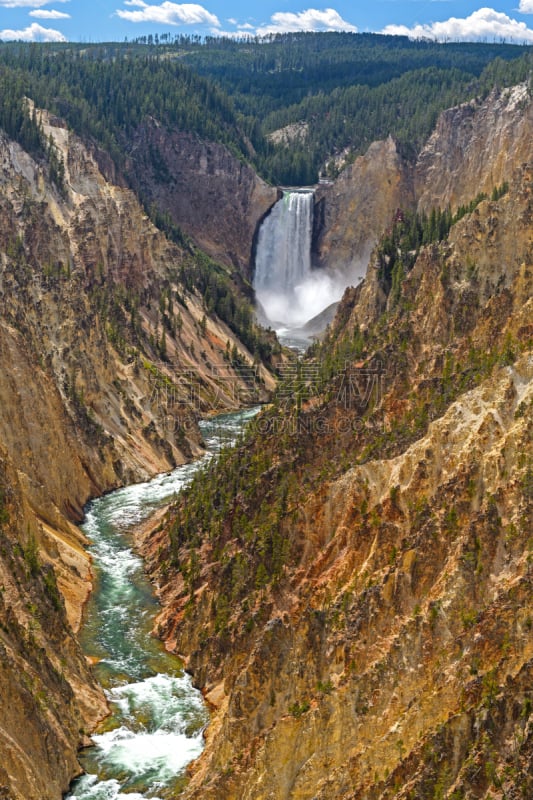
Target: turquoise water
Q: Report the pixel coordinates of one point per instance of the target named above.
(157, 717)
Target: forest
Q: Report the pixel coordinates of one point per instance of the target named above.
(349, 89)
(343, 90)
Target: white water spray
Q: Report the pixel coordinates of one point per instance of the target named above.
(288, 291)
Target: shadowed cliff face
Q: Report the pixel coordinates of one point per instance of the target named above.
(378, 643)
(211, 195)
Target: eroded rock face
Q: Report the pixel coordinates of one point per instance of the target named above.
(392, 655)
(391, 637)
(212, 196)
(90, 289)
(351, 214)
(475, 147)
(50, 700)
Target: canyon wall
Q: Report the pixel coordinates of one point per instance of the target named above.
(109, 354)
(214, 198)
(361, 618)
(352, 213)
(50, 700)
(474, 148)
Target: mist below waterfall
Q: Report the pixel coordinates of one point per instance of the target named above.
(288, 291)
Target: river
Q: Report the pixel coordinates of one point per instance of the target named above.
(157, 717)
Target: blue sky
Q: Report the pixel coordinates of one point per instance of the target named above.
(105, 20)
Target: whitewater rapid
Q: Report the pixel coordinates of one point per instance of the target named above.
(157, 717)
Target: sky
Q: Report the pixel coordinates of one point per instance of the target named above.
(117, 20)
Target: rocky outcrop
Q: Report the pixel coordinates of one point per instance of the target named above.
(474, 148)
(212, 196)
(352, 213)
(362, 612)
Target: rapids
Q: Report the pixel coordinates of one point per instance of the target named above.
(157, 717)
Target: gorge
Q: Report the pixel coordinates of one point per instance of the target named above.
(157, 718)
(349, 584)
(109, 358)
(361, 612)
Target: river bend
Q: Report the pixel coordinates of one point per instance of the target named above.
(157, 717)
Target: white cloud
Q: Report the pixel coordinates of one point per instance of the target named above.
(33, 33)
(310, 20)
(28, 3)
(169, 14)
(485, 23)
(44, 14)
(526, 6)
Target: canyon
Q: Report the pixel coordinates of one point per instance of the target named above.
(378, 643)
(108, 359)
(360, 617)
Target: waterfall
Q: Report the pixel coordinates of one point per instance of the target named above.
(283, 259)
(289, 293)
